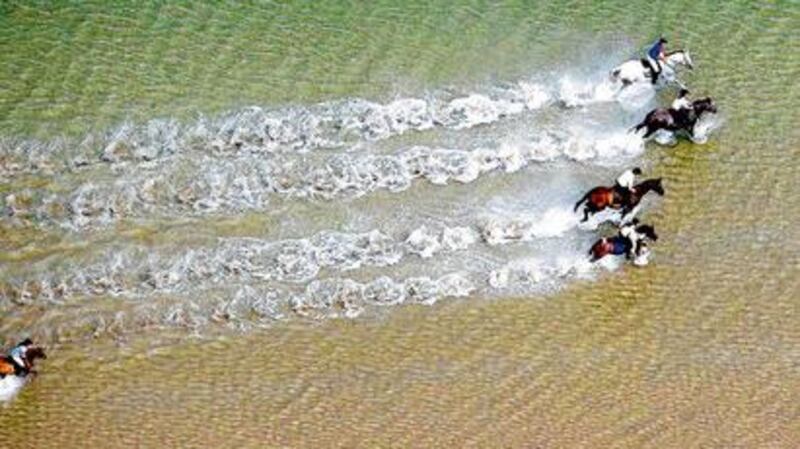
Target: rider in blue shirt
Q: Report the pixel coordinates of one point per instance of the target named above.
(655, 56)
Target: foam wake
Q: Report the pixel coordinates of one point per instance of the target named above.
(209, 185)
(271, 131)
(139, 272)
(553, 223)
(509, 234)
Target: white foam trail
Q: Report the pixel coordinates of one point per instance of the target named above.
(210, 185)
(272, 131)
(606, 148)
(707, 124)
(538, 273)
(10, 386)
(582, 92)
(553, 223)
(137, 272)
(245, 306)
(244, 160)
(666, 138)
(347, 298)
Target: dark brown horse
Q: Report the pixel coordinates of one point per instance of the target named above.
(672, 120)
(601, 197)
(619, 245)
(7, 365)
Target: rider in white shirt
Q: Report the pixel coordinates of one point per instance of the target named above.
(682, 101)
(625, 182)
(18, 354)
(683, 108)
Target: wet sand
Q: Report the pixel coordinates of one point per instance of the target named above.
(604, 365)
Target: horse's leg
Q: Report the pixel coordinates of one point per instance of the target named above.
(590, 209)
(626, 209)
(586, 212)
(650, 131)
(638, 127)
(633, 252)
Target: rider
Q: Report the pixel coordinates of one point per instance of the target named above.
(629, 232)
(682, 100)
(682, 107)
(655, 56)
(625, 181)
(18, 356)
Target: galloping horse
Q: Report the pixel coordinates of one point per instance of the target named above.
(619, 245)
(672, 120)
(602, 197)
(638, 70)
(8, 367)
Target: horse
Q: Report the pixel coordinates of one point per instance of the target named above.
(619, 245)
(9, 367)
(602, 197)
(672, 120)
(639, 70)
(14, 377)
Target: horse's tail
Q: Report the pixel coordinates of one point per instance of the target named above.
(581, 201)
(592, 256)
(635, 129)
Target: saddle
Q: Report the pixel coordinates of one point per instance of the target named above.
(684, 118)
(619, 195)
(619, 245)
(7, 367)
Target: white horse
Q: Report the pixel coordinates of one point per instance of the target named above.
(637, 70)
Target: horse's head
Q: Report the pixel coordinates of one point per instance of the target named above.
(33, 353)
(680, 57)
(704, 105)
(648, 230)
(653, 184)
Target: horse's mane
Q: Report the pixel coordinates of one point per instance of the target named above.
(35, 352)
(674, 52)
(705, 100)
(649, 182)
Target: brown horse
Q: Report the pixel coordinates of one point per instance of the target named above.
(601, 197)
(672, 120)
(8, 366)
(619, 245)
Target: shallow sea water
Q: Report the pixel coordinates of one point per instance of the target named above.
(348, 225)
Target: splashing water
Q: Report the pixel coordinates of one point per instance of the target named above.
(344, 153)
